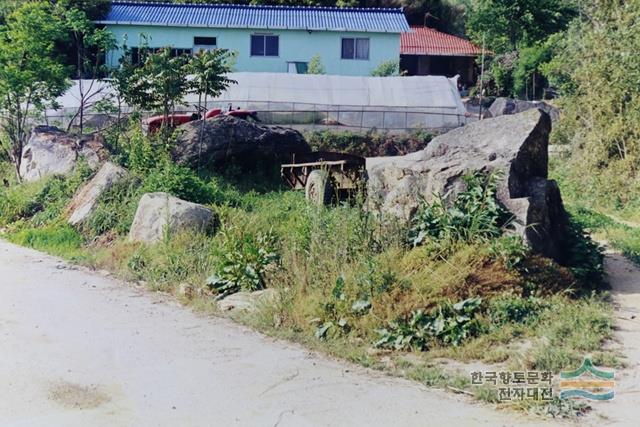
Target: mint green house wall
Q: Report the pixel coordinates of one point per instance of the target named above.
(295, 46)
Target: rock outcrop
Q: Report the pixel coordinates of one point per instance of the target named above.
(515, 145)
(52, 151)
(506, 106)
(158, 213)
(229, 139)
(86, 199)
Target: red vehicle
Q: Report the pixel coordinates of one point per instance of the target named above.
(242, 114)
(154, 123)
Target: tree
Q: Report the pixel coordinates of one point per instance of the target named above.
(159, 84)
(528, 80)
(91, 44)
(93, 9)
(30, 74)
(599, 70)
(119, 80)
(315, 65)
(510, 24)
(208, 69)
(6, 7)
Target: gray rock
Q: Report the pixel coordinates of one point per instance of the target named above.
(229, 139)
(505, 106)
(514, 145)
(160, 212)
(51, 151)
(86, 199)
(247, 301)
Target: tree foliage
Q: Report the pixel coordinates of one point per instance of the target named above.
(599, 71)
(160, 83)
(522, 36)
(209, 69)
(90, 44)
(31, 76)
(315, 65)
(507, 25)
(387, 68)
(93, 9)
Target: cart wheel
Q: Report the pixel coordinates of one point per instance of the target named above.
(318, 189)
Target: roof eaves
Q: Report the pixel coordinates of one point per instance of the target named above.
(250, 27)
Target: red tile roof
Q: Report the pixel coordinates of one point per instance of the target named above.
(427, 41)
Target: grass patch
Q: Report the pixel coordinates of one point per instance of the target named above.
(606, 207)
(619, 236)
(57, 239)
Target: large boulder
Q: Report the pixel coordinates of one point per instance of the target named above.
(506, 106)
(159, 213)
(86, 199)
(515, 145)
(52, 151)
(229, 139)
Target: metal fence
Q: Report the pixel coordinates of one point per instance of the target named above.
(300, 115)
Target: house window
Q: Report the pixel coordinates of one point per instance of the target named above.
(264, 45)
(297, 67)
(181, 51)
(355, 48)
(204, 44)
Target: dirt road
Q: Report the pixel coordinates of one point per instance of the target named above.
(624, 278)
(77, 349)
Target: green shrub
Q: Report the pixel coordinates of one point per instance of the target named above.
(513, 309)
(510, 250)
(58, 191)
(18, 201)
(42, 201)
(186, 257)
(315, 65)
(243, 262)
(474, 215)
(179, 181)
(334, 321)
(387, 68)
(448, 324)
(601, 103)
(115, 208)
(584, 257)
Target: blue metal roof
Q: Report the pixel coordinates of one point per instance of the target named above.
(265, 17)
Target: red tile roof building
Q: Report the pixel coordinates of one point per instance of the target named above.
(425, 51)
(427, 41)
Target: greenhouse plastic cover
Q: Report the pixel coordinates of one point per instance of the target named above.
(415, 91)
(427, 101)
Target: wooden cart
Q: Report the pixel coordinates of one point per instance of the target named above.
(325, 176)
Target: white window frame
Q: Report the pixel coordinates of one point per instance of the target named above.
(264, 38)
(355, 48)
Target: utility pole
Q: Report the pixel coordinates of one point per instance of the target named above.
(481, 78)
